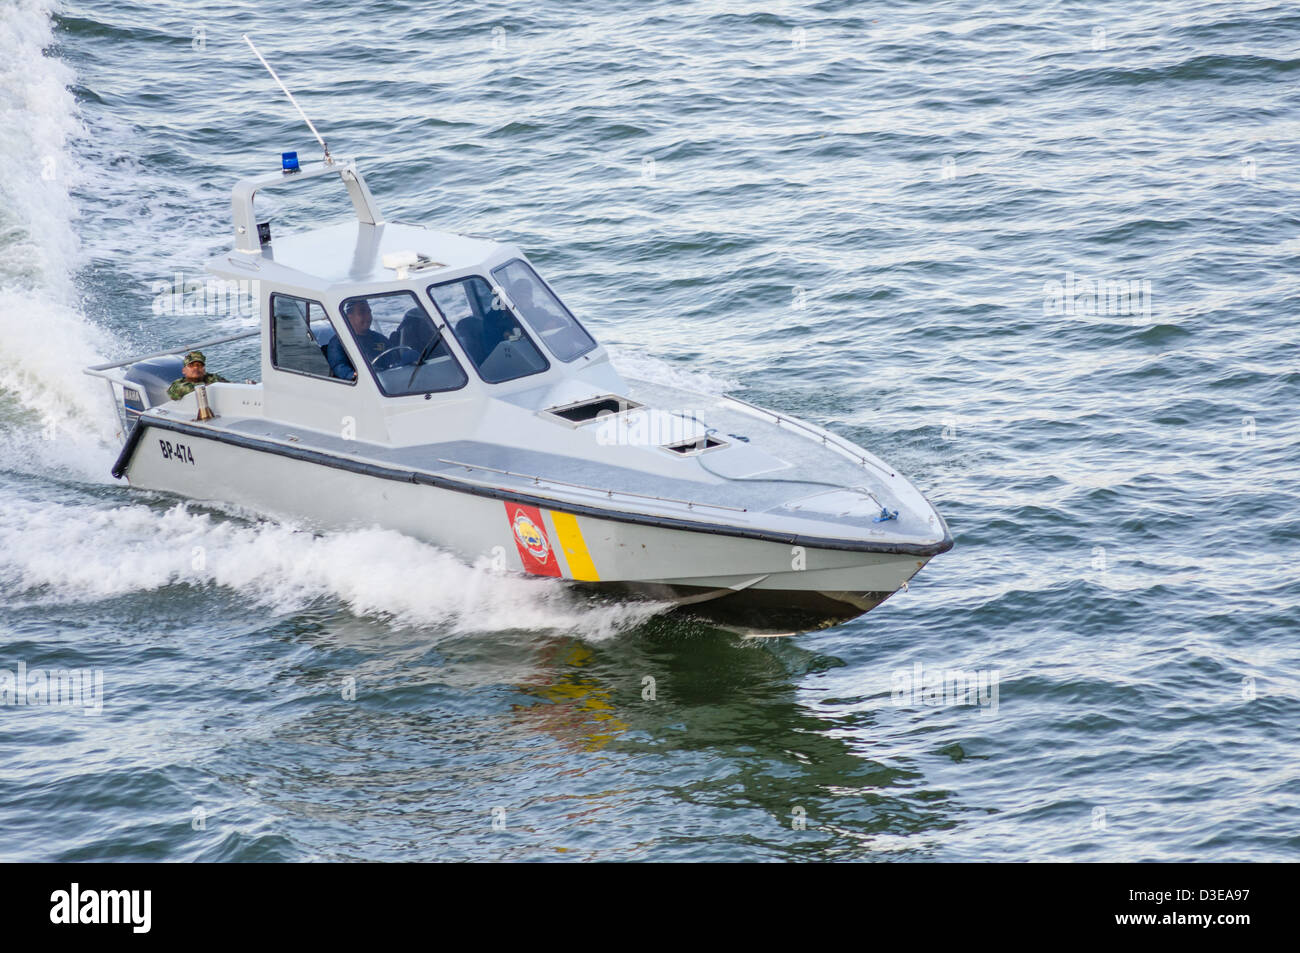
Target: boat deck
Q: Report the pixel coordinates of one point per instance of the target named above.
(804, 484)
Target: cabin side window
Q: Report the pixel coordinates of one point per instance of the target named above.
(300, 334)
(544, 312)
(487, 330)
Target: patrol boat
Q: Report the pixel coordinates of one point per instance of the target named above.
(433, 383)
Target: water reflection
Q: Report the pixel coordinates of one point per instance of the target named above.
(569, 744)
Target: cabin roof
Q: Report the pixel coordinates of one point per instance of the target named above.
(351, 253)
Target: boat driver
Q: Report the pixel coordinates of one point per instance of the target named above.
(372, 343)
(195, 373)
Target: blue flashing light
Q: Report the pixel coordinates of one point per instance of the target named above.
(289, 161)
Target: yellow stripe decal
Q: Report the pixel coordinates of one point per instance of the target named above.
(575, 547)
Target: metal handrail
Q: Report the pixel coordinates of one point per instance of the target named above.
(243, 335)
(845, 447)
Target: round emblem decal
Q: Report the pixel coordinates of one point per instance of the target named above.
(530, 536)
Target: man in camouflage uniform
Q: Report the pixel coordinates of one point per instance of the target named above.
(196, 373)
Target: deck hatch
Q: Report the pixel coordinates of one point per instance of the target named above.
(593, 408)
(695, 445)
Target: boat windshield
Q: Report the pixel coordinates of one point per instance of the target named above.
(400, 342)
(487, 330)
(544, 312)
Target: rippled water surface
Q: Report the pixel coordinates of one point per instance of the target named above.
(865, 215)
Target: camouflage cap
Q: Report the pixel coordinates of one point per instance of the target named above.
(195, 357)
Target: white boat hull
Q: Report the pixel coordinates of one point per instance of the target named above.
(769, 586)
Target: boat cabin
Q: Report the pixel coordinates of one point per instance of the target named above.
(365, 322)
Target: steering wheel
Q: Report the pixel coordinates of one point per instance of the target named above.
(395, 360)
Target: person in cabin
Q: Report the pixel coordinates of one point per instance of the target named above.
(195, 373)
(417, 333)
(540, 314)
(372, 343)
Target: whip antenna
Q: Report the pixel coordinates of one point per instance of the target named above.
(328, 160)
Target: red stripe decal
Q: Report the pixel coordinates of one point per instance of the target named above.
(531, 540)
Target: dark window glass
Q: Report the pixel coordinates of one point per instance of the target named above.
(400, 342)
(545, 313)
(300, 332)
(487, 330)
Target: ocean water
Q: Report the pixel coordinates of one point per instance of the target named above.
(893, 220)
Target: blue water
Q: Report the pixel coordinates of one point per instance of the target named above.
(851, 213)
